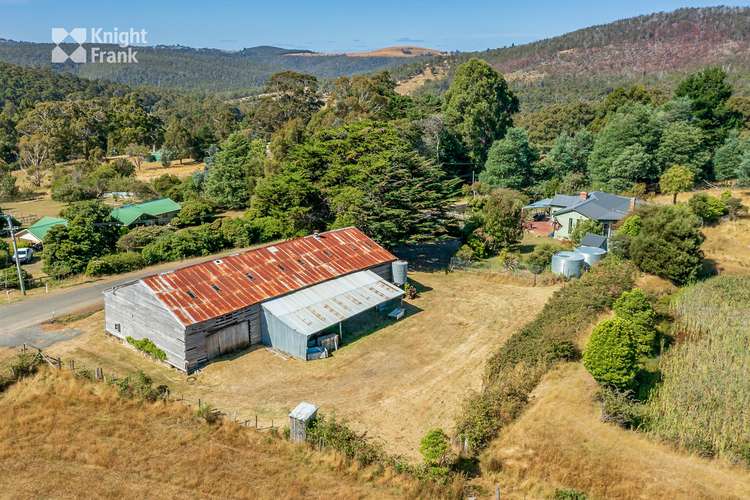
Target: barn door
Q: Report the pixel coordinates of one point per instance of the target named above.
(227, 339)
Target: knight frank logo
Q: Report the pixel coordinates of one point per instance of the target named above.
(78, 35)
(97, 45)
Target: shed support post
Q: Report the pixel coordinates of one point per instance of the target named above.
(341, 331)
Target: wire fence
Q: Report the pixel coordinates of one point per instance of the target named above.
(98, 374)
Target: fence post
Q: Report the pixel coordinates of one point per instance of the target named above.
(99, 374)
(256, 422)
(497, 492)
(23, 349)
(72, 365)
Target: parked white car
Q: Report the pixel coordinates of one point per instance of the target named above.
(23, 255)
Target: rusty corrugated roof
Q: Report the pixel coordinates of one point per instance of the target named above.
(203, 291)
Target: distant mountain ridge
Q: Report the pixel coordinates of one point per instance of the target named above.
(208, 69)
(654, 49)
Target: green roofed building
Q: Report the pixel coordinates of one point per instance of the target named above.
(146, 214)
(38, 230)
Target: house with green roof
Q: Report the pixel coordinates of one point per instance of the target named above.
(148, 213)
(38, 230)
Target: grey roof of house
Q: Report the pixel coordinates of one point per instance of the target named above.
(600, 206)
(594, 240)
(564, 200)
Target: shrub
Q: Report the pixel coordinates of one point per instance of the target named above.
(669, 243)
(4, 250)
(611, 354)
(147, 346)
(208, 413)
(709, 208)
(587, 226)
(9, 277)
(140, 236)
(631, 226)
(635, 306)
(436, 449)
(735, 208)
(123, 167)
(540, 258)
(188, 242)
(621, 408)
(482, 244)
(140, 386)
(336, 435)
(194, 213)
(115, 264)
(465, 254)
(568, 494)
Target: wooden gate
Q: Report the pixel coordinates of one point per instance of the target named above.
(227, 339)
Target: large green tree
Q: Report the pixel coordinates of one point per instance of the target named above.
(90, 233)
(365, 174)
(669, 243)
(479, 106)
(728, 157)
(286, 96)
(235, 170)
(632, 132)
(499, 215)
(709, 93)
(510, 161)
(569, 154)
(684, 144)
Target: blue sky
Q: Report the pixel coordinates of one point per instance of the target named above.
(326, 25)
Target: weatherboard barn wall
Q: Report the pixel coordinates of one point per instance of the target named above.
(132, 310)
(196, 346)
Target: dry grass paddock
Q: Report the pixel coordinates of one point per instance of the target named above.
(559, 442)
(64, 437)
(396, 383)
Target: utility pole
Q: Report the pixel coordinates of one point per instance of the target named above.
(15, 254)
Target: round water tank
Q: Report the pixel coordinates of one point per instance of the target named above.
(568, 264)
(591, 255)
(400, 270)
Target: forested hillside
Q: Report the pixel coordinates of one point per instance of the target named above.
(655, 49)
(202, 69)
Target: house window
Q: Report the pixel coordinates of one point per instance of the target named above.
(118, 329)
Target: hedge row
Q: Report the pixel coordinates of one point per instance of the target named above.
(115, 263)
(517, 367)
(210, 238)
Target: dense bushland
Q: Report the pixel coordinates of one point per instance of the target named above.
(516, 368)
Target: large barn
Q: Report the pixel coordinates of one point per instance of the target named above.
(286, 295)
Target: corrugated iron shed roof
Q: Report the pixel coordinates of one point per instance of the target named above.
(314, 309)
(210, 289)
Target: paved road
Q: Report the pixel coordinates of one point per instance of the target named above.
(18, 319)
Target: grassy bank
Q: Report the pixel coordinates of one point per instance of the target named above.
(514, 370)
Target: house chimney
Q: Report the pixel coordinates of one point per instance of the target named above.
(631, 206)
(584, 195)
(316, 234)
